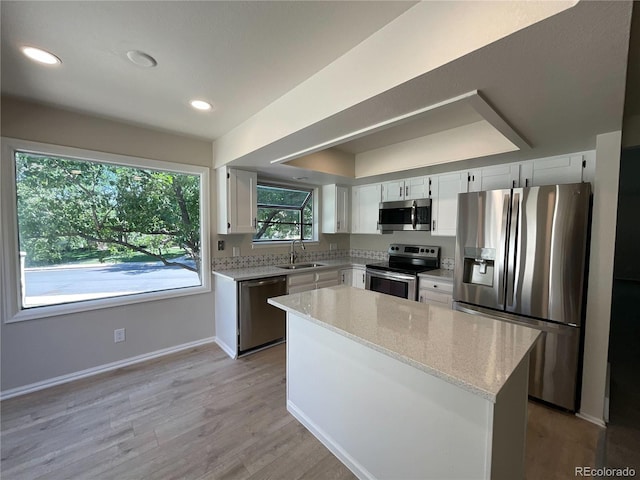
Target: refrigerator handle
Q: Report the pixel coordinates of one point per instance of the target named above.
(503, 241)
(513, 249)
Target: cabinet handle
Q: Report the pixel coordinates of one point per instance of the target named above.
(435, 286)
(400, 191)
(434, 226)
(420, 298)
(526, 182)
(513, 184)
(338, 224)
(406, 191)
(255, 222)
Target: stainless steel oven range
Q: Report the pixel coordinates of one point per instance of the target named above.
(399, 276)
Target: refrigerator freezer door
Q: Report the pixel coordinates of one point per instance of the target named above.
(547, 249)
(481, 247)
(554, 362)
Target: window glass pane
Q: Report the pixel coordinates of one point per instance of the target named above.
(92, 230)
(284, 214)
(270, 195)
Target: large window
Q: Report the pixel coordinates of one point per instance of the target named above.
(284, 213)
(92, 229)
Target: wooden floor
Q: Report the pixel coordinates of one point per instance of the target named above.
(200, 415)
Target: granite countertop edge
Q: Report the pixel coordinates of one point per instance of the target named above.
(251, 273)
(471, 388)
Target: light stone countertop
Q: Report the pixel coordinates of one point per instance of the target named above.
(250, 273)
(473, 352)
(440, 274)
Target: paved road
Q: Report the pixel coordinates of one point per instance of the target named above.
(57, 285)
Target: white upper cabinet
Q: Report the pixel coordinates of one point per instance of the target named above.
(393, 191)
(494, 178)
(237, 201)
(365, 200)
(415, 188)
(549, 171)
(408, 189)
(335, 209)
(444, 202)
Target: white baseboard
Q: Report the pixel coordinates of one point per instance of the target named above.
(592, 419)
(356, 468)
(226, 348)
(51, 382)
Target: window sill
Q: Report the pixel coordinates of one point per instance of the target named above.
(100, 303)
(284, 244)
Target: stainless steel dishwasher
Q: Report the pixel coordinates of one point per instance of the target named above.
(260, 324)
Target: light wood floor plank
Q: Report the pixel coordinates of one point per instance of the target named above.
(200, 415)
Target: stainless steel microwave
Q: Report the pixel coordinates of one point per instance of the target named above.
(405, 215)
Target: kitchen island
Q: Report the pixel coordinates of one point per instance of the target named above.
(398, 389)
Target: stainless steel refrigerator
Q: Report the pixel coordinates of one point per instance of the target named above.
(520, 257)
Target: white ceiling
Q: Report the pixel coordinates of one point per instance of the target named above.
(238, 55)
(558, 83)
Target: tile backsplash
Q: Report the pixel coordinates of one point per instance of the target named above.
(228, 263)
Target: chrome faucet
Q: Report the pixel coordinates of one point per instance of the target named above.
(292, 254)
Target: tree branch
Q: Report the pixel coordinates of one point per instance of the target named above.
(138, 249)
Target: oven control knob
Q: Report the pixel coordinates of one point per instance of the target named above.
(422, 250)
(433, 251)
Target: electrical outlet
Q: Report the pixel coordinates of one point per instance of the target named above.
(220, 244)
(333, 246)
(236, 251)
(118, 335)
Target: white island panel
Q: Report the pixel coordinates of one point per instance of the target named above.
(387, 385)
(383, 418)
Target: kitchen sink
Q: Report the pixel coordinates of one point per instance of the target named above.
(296, 266)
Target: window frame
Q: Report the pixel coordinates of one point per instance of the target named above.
(10, 273)
(314, 223)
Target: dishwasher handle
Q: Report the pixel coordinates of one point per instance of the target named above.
(259, 283)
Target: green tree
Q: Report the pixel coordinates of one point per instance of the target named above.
(67, 203)
(284, 213)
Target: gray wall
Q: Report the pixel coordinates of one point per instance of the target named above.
(36, 350)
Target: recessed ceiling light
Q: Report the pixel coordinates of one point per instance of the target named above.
(200, 105)
(300, 178)
(41, 56)
(141, 59)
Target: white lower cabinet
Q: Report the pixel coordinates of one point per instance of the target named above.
(354, 277)
(435, 291)
(358, 280)
(303, 282)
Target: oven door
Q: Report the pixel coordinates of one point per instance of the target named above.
(397, 284)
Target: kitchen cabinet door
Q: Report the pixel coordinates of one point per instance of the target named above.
(346, 276)
(494, 178)
(553, 170)
(444, 202)
(335, 209)
(358, 277)
(365, 203)
(237, 201)
(393, 191)
(416, 188)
